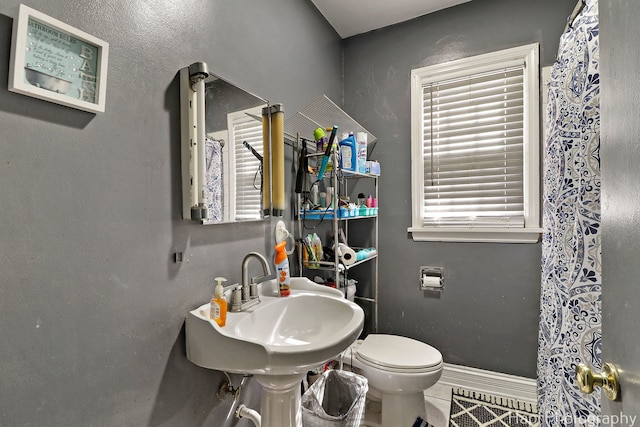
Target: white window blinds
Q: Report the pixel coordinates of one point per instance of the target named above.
(473, 150)
(248, 169)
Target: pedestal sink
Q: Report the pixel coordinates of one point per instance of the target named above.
(277, 341)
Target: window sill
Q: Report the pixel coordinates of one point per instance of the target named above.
(486, 235)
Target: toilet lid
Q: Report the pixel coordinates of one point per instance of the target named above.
(397, 352)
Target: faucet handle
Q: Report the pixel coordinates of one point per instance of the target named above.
(236, 297)
(253, 289)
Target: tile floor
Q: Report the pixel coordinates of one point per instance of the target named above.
(438, 403)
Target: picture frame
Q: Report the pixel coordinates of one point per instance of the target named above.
(55, 62)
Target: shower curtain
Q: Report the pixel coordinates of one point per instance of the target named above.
(570, 314)
(214, 176)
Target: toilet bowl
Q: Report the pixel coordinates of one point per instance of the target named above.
(398, 370)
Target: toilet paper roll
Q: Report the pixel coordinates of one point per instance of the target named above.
(431, 282)
(346, 254)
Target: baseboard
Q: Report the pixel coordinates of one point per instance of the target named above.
(489, 382)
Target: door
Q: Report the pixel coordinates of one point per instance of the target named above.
(620, 157)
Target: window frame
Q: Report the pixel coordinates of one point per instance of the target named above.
(530, 233)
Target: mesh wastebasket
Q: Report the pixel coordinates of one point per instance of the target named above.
(336, 399)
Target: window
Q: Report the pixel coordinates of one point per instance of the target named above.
(475, 149)
(245, 168)
(234, 173)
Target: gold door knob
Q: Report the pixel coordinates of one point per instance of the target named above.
(607, 379)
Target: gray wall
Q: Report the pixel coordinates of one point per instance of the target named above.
(487, 316)
(92, 305)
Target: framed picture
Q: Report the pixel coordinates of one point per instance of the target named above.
(53, 61)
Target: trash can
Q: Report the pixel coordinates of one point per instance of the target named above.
(336, 399)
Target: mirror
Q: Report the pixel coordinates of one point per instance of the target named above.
(222, 149)
(234, 150)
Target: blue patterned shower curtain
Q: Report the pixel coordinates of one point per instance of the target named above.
(570, 314)
(214, 176)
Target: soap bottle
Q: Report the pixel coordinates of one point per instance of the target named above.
(218, 310)
(282, 269)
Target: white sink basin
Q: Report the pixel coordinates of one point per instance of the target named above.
(279, 336)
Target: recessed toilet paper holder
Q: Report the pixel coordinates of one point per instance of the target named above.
(431, 278)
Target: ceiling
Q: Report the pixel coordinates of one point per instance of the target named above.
(351, 17)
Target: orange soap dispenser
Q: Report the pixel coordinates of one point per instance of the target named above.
(218, 310)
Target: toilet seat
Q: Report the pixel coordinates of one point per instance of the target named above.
(394, 353)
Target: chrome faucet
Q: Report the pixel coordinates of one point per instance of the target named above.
(248, 289)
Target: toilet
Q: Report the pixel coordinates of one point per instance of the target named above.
(398, 370)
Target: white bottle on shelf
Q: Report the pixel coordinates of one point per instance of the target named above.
(361, 142)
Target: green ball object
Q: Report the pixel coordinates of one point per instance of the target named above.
(318, 133)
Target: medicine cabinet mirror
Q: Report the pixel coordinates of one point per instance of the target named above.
(229, 185)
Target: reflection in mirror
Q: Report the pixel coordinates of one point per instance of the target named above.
(221, 149)
(234, 150)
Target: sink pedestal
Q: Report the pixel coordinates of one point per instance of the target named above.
(280, 400)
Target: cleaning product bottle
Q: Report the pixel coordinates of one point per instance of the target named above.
(282, 269)
(361, 147)
(348, 154)
(327, 154)
(318, 136)
(218, 310)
